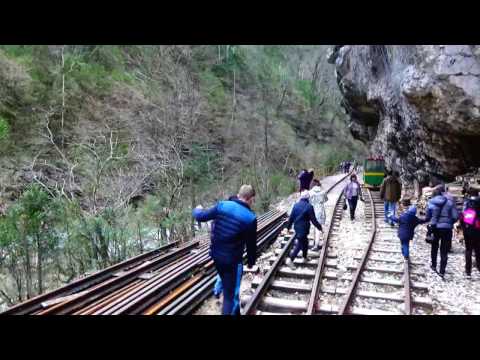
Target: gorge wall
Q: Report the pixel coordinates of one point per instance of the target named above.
(417, 105)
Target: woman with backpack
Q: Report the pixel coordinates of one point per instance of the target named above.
(442, 214)
(318, 198)
(470, 223)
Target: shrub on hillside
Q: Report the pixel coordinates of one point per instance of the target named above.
(4, 129)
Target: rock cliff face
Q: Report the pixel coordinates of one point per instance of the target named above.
(417, 105)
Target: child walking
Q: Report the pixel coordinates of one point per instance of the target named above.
(407, 221)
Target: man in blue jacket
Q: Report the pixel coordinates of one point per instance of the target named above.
(218, 287)
(235, 227)
(442, 214)
(300, 217)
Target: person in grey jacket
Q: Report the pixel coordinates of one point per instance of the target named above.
(353, 191)
(442, 214)
(318, 198)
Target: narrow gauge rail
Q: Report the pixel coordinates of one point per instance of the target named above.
(145, 284)
(383, 282)
(271, 294)
(379, 283)
(35, 304)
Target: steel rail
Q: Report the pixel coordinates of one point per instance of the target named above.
(353, 285)
(193, 301)
(263, 287)
(117, 289)
(408, 293)
(34, 304)
(317, 282)
(117, 282)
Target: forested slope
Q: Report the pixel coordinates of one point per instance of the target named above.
(105, 149)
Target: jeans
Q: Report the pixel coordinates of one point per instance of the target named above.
(229, 278)
(390, 208)
(405, 247)
(443, 237)
(218, 288)
(472, 244)
(352, 204)
(300, 243)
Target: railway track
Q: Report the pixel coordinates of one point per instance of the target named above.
(382, 281)
(167, 280)
(378, 280)
(286, 291)
(177, 278)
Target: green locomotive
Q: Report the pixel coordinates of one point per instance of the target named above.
(373, 171)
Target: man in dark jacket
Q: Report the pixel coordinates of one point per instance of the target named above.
(301, 216)
(305, 179)
(235, 227)
(390, 193)
(442, 214)
(408, 221)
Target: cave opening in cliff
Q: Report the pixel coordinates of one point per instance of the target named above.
(470, 152)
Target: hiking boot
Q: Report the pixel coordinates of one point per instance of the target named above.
(442, 275)
(468, 276)
(434, 268)
(290, 264)
(405, 258)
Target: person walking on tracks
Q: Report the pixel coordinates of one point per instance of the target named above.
(218, 287)
(470, 224)
(305, 178)
(318, 198)
(390, 193)
(442, 214)
(300, 217)
(353, 192)
(408, 221)
(235, 227)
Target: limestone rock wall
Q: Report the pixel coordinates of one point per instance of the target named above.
(417, 105)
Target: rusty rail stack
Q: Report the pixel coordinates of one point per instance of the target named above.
(173, 279)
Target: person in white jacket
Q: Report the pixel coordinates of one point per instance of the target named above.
(318, 198)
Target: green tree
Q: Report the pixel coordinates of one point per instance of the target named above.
(37, 221)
